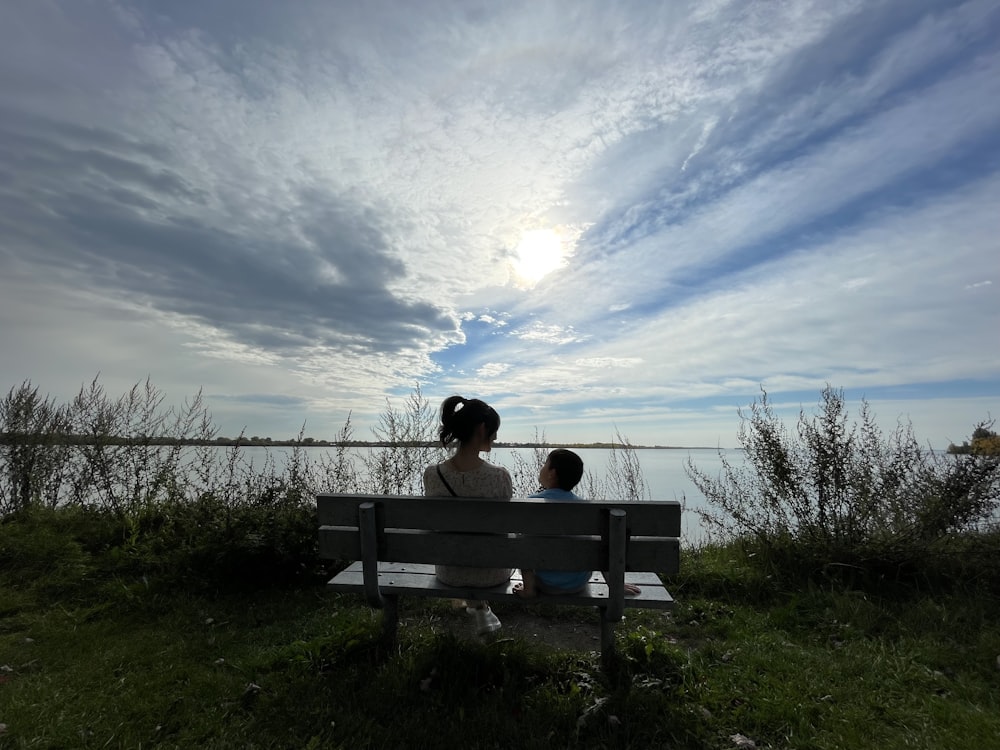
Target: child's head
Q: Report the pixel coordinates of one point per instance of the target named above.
(562, 469)
(461, 418)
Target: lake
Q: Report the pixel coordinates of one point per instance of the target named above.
(662, 471)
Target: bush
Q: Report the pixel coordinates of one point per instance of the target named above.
(211, 543)
(149, 497)
(32, 460)
(843, 497)
(42, 543)
(201, 545)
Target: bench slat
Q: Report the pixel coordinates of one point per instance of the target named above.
(522, 515)
(418, 580)
(497, 551)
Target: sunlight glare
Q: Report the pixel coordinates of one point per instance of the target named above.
(539, 253)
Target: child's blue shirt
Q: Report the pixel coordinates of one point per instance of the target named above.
(556, 493)
(567, 580)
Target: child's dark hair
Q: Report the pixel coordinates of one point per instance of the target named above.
(568, 467)
(461, 416)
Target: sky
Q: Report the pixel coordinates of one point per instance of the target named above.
(604, 219)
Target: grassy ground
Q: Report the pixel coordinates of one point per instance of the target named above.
(95, 661)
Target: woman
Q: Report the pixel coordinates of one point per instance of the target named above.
(473, 424)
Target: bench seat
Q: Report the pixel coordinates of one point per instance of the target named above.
(414, 579)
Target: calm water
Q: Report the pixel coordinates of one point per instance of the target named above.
(662, 471)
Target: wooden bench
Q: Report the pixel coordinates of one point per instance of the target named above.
(397, 540)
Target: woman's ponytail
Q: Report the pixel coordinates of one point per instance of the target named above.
(461, 416)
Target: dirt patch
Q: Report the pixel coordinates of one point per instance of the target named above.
(576, 629)
(578, 634)
(567, 631)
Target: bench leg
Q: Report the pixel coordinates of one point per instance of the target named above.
(390, 619)
(607, 642)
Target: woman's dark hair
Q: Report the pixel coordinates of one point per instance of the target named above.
(461, 416)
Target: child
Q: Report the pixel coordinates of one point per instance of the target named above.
(562, 471)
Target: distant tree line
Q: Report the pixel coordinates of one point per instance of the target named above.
(35, 438)
(985, 442)
(38, 438)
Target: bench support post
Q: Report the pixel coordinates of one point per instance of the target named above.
(615, 575)
(368, 523)
(390, 620)
(607, 642)
(615, 578)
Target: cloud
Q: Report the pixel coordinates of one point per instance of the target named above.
(307, 208)
(608, 361)
(861, 170)
(547, 333)
(110, 212)
(496, 321)
(268, 399)
(492, 369)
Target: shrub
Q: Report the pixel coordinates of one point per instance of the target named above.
(843, 495)
(122, 453)
(168, 505)
(42, 543)
(33, 463)
(211, 543)
(526, 468)
(407, 444)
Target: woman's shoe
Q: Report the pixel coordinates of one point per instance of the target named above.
(486, 621)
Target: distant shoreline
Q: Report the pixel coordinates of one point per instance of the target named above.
(255, 442)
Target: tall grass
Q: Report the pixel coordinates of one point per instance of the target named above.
(623, 479)
(131, 454)
(525, 470)
(397, 468)
(620, 478)
(99, 451)
(841, 496)
(223, 510)
(210, 515)
(103, 452)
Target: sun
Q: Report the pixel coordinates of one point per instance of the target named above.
(539, 253)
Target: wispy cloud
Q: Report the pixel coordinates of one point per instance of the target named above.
(306, 208)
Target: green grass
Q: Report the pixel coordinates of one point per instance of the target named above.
(96, 655)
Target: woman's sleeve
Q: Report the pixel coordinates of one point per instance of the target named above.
(432, 483)
(507, 485)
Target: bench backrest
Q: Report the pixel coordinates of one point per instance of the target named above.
(530, 533)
